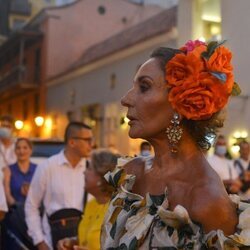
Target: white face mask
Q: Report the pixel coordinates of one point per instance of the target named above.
(5, 133)
(145, 153)
(220, 150)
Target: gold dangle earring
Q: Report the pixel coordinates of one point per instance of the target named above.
(174, 133)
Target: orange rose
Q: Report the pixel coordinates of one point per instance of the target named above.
(220, 61)
(224, 88)
(198, 102)
(199, 86)
(183, 68)
(198, 50)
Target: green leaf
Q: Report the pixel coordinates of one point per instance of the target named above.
(133, 244)
(117, 177)
(121, 247)
(157, 199)
(111, 181)
(236, 89)
(221, 76)
(211, 47)
(113, 230)
(205, 55)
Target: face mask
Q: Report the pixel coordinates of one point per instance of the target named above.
(5, 133)
(145, 153)
(220, 150)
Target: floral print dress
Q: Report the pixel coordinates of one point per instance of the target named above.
(134, 222)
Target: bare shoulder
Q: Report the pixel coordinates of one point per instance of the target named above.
(135, 167)
(212, 207)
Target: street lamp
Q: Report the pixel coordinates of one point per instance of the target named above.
(39, 120)
(19, 124)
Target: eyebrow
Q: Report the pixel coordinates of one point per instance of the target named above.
(140, 78)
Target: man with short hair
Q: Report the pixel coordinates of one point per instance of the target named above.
(7, 143)
(58, 184)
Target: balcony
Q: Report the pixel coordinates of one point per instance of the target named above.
(15, 82)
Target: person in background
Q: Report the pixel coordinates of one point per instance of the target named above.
(3, 210)
(3, 203)
(102, 161)
(242, 165)
(17, 177)
(224, 167)
(145, 149)
(59, 184)
(7, 143)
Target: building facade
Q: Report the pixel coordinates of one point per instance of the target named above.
(20, 78)
(65, 37)
(85, 74)
(92, 89)
(223, 20)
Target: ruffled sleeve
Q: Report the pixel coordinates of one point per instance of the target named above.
(136, 222)
(118, 177)
(242, 236)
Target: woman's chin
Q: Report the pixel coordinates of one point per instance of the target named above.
(134, 134)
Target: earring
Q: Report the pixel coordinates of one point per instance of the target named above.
(174, 133)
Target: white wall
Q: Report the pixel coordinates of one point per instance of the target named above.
(162, 3)
(235, 28)
(62, 2)
(94, 87)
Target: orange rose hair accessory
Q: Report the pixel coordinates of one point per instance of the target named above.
(200, 79)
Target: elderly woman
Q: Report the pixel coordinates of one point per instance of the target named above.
(102, 161)
(177, 202)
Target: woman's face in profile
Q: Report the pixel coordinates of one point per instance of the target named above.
(91, 180)
(149, 111)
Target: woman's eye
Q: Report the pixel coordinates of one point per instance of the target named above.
(144, 87)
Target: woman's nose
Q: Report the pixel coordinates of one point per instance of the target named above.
(127, 99)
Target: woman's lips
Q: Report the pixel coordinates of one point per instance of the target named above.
(131, 121)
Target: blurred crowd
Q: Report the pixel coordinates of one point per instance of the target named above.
(61, 203)
(235, 173)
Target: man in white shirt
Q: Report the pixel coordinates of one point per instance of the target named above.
(224, 167)
(242, 165)
(58, 183)
(3, 207)
(7, 143)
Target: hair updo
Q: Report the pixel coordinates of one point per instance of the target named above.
(203, 132)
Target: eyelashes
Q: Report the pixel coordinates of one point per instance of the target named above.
(144, 86)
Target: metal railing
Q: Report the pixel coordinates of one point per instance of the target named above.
(14, 77)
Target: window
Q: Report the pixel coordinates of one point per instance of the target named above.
(37, 65)
(36, 104)
(18, 24)
(208, 19)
